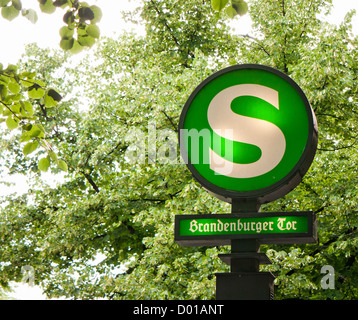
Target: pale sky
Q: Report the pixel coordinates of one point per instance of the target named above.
(20, 31)
(45, 32)
(17, 33)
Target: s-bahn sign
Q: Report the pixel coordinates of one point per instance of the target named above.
(248, 132)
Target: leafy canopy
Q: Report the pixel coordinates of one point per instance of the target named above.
(23, 95)
(107, 229)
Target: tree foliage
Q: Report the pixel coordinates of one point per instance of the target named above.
(80, 19)
(107, 229)
(23, 95)
(231, 8)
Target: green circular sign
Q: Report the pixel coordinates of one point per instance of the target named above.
(248, 132)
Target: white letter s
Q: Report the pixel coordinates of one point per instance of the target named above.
(265, 135)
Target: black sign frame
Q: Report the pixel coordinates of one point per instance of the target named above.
(278, 189)
(220, 240)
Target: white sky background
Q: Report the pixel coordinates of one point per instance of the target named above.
(45, 32)
(20, 31)
(17, 33)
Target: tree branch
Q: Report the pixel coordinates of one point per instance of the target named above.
(338, 148)
(171, 121)
(257, 41)
(165, 23)
(148, 199)
(328, 115)
(170, 30)
(283, 8)
(91, 182)
(114, 149)
(324, 245)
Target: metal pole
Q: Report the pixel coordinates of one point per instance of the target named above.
(244, 282)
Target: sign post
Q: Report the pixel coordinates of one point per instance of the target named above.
(248, 135)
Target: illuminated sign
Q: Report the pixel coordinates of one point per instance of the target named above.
(219, 229)
(248, 132)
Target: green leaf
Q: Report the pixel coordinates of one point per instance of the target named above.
(15, 97)
(86, 13)
(93, 31)
(6, 112)
(67, 44)
(30, 147)
(27, 135)
(40, 83)
(11, 69)
(231, 12)
(28, 74)
(69, 17)
(3, 91)
(218, 5)
(86, 41)
(44, 164)
(97, 14)
(240, 6)
(4, 3)
(27, 126)
(52, 155)
(28, 108)
(62, 165)
(14, 87)
(27, 83)
(66, 32)
(17, 4)
(12, 123)
(41, 127)
(36, 91)
(54, 95)
(60, 3)
(9, 13)
(49, 101)
(47, 7)
(24, 137)
(77, 48)
(30, 14)
(81, 30)
(16, 108)
(36, 132)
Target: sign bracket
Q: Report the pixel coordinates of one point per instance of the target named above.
(244, 280)
(245, 205)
